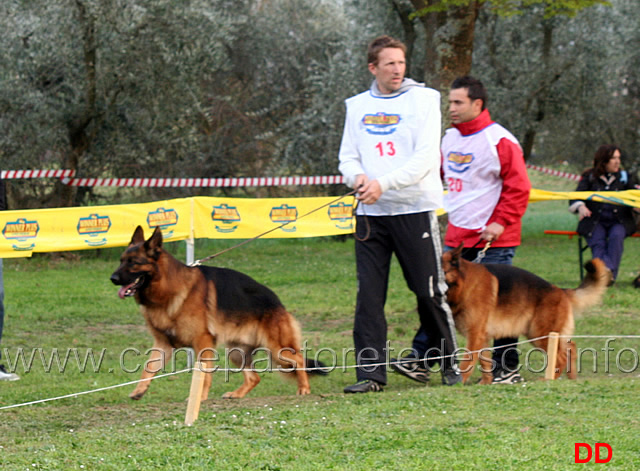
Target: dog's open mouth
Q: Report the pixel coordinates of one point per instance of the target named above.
(130, 289)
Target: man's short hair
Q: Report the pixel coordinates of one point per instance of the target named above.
(475, 88)
(380, 43)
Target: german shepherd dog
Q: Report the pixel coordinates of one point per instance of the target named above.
(495, 301)
(201, 307)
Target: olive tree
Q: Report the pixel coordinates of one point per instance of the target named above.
(95, 85)
(205, 88)
(564, 85)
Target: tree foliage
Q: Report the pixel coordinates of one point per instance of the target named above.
(510, 7)
(564, 85)
(218, 88)
(204, 88)
(106, 87)
(450, 29)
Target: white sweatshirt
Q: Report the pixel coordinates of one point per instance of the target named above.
(395, 139)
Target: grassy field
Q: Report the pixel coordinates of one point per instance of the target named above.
(68, 305)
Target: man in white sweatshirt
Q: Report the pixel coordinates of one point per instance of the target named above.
(390, 152)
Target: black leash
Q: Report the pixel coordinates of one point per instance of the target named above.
(366, 223)
(480, 255)
(199, 262)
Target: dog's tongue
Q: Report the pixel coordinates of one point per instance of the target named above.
(122, 292)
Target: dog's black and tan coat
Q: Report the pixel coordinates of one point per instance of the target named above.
(495, 301)
(202, 307)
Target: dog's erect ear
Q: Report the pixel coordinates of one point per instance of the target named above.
(455, 255)
(455, 261)
(154, 244)
(447, 259)
(138, 236)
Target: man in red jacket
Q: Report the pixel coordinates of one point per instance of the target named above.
(488, 192)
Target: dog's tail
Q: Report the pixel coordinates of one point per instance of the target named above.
(315, 367)
(592, 288)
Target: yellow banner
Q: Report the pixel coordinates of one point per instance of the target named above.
(90, 227)
(626, 198)
(245, 218)
(61, 229)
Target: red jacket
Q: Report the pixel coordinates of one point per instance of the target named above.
(514, 196)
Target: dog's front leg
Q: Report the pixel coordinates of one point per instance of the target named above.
(157, 359)
(476, 342)
(205, 348)
(486, 363)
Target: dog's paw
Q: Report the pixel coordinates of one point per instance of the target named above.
(232, 395)
(303, 391)
(136, 396)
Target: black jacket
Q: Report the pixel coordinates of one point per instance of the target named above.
(623, 214)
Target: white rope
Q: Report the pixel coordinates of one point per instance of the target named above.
(600, 336)
(319, 368)
(490, 349)
(91, 391)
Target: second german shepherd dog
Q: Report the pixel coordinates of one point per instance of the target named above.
(495, 301)
(201, 307)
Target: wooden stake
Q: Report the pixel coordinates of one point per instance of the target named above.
(552, 355)
(195, 394)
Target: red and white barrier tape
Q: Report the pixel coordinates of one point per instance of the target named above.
(14, 174)
(67, 177)
(555, 173)
(205, 182)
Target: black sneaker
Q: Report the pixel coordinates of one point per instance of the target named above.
(6, 376)
(410, 367)
(506, 377)
(451, 376)
(365, 386)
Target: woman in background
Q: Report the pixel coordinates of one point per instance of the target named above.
(603, 225)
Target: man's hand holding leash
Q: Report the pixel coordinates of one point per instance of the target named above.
(369, 191)
(492, 232)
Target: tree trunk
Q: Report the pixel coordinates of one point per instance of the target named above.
(449, 36)
(77, 127)
(536, 106)
(409, 30)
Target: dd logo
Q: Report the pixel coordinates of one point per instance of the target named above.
(587, 447)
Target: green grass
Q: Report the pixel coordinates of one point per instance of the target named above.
(69, 303)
